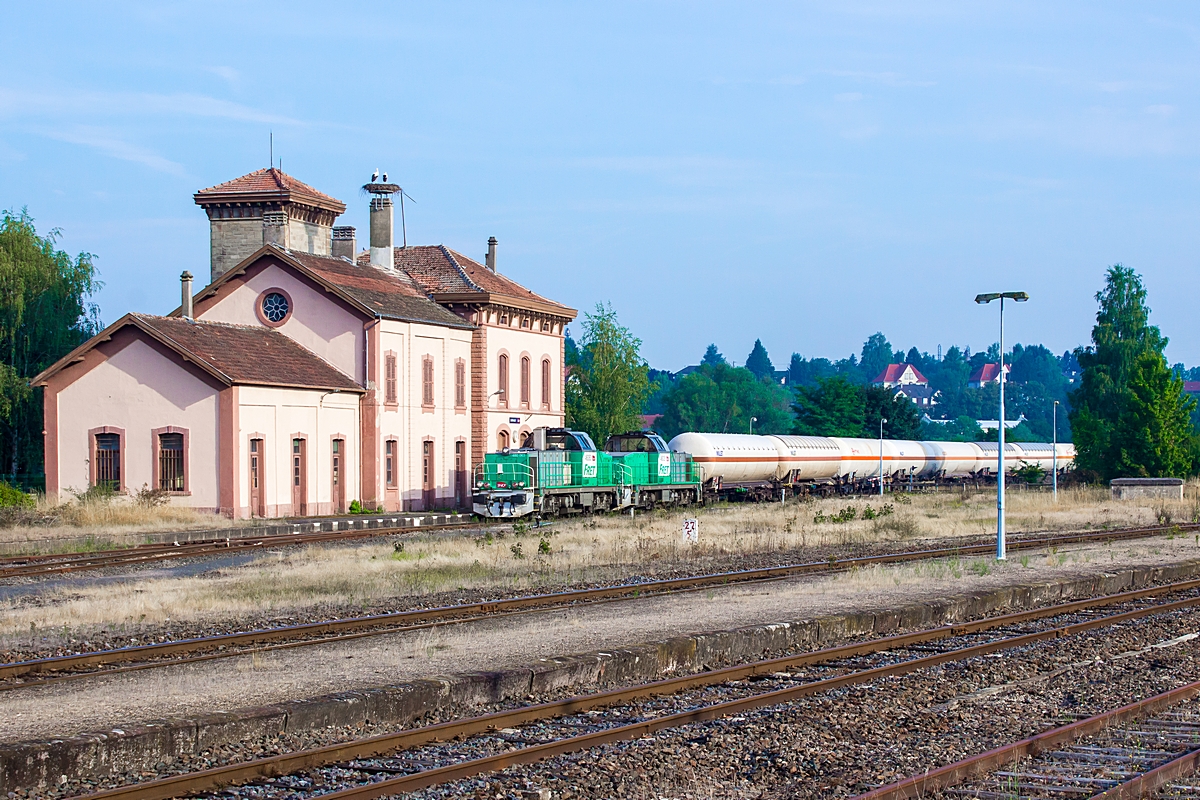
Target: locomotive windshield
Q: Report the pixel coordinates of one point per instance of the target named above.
(563, 439)
(636, 442)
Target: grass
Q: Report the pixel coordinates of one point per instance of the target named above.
(577, 551)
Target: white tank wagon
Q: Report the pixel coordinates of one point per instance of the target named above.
(763, 464)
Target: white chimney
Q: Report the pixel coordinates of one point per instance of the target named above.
(185, 291)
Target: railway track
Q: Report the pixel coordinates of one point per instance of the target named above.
(39, 672)
(37, 565)
(1135, 751)
(436, 754)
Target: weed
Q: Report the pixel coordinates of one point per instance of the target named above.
(981, 567)
(543, 547)
(1025, 560)
(517, 551)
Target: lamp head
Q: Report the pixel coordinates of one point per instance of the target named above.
(988, 297)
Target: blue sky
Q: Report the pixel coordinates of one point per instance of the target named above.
(803, 173)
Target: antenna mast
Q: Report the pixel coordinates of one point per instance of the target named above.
(272, 140)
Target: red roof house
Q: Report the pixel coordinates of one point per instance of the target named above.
(988, 373)
(900, 375)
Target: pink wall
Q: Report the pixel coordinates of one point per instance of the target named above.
(316, 321)
(139, 389)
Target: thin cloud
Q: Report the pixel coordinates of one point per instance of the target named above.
(114, 147)
(886, 78)
(32, 104)
(228, 74)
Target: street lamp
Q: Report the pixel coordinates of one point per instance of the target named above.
(983, 299)
(1054, 454)
(881, 421)
(752, 421)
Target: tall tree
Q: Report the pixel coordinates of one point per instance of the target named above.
(44, 314)
(1130, 416)
(758, 362)
(722, 399)
(903, 418)
(609, 381)
(876, 355)
(712, 357)
(834, 407)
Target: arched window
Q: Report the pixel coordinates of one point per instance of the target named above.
(525, 382)
(502, 440)
(546, 384)
(502, 377)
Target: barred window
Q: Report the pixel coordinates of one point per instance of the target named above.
(389, 379)
(108, 460)
(170, 462)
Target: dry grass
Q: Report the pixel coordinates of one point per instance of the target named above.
(86, 523)
(579, 551)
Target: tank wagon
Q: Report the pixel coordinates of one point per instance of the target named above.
(760, 467)
(560, 471)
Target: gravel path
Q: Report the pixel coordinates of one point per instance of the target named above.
(105, 702)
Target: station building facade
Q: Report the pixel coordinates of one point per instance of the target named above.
(305, 375)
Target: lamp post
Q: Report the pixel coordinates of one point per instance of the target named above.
(752, 421)
(881, 421)
(1054, 453)
(983, 299)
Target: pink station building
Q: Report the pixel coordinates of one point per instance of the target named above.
(306, 374)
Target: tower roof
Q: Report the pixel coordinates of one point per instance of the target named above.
(268, 185)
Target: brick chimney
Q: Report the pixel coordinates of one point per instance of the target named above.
(344, 244)
(490, 261)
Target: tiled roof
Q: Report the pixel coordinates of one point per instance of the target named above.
(917, 390)
(988, 373)
(234, 354)
(248, 353)
(893, 372)
(393, 295)
(438, 270)
(1191, 387)
(269, 183)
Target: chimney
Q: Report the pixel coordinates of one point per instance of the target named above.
(275, 228)
(185, 291)
(491, 253)
(344, 243)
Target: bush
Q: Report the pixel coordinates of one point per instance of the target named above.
(12, 497)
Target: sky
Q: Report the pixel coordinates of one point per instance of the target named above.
(802, 173)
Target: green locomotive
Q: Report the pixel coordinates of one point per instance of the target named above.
(561, 471)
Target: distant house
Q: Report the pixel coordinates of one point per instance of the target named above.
(648, 421)
(900, 375)
(1192, 388)
(921, 395)
(781, 376)
(683, 373)
(988, 373)
(991, 424)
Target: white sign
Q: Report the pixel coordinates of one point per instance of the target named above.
(664, 465)
(589, 463)
(691, 531)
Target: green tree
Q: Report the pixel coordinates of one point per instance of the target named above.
(876, 355)
(903, 418)
(1130, 416)
(834, 407)
(758, 362)
(44, 314)
(609, 381)
(722, 399)
(712, 357)
(962, 429)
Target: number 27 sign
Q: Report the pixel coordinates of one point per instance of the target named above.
(691, 531)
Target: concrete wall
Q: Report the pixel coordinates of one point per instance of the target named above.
(276, 416)
(316, 321)
(1136, 492)
(411, 423)
(138, 389)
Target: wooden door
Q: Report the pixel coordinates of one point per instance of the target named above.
(427, 477)
(460, 474)
(338, 495)
(258, 505)
(299, 478)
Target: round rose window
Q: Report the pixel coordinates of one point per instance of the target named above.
(275, 307)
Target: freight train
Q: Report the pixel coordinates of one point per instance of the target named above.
(560, 471)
